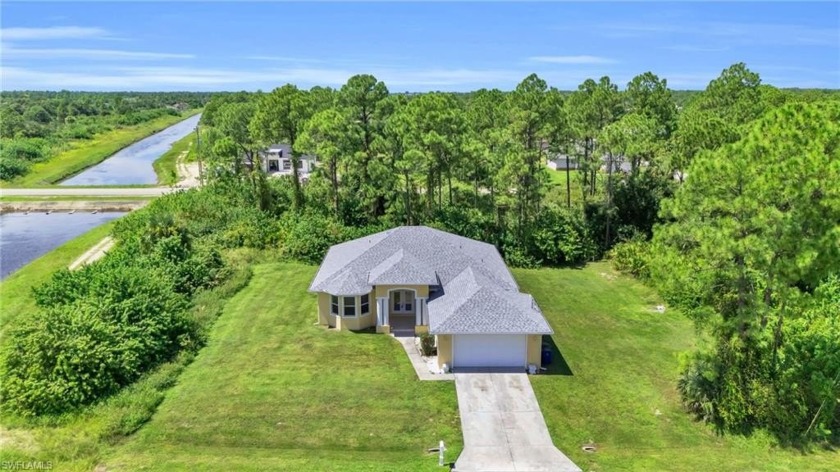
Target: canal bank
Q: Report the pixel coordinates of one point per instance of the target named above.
(70, 206)
(133, 164)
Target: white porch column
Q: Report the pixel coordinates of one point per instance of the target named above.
(418, 311)
(422, 311)
(382, 310)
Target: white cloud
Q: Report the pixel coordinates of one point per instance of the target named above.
(572, 59)
(55, 32)
(90, 54)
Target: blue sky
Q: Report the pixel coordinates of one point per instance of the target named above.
(411, 46)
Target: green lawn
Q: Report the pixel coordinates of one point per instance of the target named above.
(556, 187)
(274, 391)
(166, 165)
(623, 357)
(85, 153)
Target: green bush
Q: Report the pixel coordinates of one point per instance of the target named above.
(631, 257)
(80, 348)
(12, 167)
(427, 344)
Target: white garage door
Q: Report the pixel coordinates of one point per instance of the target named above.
(489, 350)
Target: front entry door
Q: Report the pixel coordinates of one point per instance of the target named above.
(402, 301)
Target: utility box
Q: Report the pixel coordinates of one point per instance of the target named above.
(546, 354)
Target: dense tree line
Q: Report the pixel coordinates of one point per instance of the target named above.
(35, 125)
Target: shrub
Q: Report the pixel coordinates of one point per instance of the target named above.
(427, 345)
(631, 257)
(78, 349)
(307, 236)
(12, 167)
(560, 237)
(516, 256)
(696, 385)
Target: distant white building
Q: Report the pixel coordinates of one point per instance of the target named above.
(562, 162)
(277, 161)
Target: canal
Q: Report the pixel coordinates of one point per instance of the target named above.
(133, 165)
(25, 237)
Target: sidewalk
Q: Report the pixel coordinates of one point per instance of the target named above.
(417, 361)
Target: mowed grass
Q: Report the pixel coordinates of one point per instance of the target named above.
(85, 153)
(274, 391)
(623, 357)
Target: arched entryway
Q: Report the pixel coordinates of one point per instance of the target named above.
(402, 306)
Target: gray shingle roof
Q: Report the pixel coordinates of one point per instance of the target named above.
(477, 292)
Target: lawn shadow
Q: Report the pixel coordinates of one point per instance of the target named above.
(370, 330)
(558, 365)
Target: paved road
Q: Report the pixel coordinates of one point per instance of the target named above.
(87, 192)
(504, 429)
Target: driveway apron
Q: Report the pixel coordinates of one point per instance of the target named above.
(504, 429)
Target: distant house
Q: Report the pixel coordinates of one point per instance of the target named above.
(277, 161)
(563, 162)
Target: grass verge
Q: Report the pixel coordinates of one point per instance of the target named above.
(166, 166)
(85, 153)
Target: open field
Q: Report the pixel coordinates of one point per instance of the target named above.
(85, 153)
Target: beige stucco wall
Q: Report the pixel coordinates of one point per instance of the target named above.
(420, 290)
(356, 323)
(535, 349)
(325, 318)
(444, 350)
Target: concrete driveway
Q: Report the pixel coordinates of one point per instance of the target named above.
(503, 426)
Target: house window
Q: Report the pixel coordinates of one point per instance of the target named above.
(349, 306)
(280, 153)
(365, 302)
(273, 165)
(287, 164)
(334, 305)
(299, 164)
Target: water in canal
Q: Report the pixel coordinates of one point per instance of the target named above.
(133, 164)
(24, 237)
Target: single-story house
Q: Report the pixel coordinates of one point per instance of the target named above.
(422, 280)
(277, 161)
